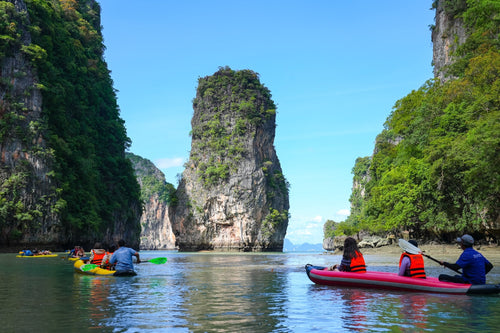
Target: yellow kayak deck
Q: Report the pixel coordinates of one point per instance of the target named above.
(96, 271)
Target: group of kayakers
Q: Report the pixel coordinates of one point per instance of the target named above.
(473, 264)
(118, 258)
(30, 253)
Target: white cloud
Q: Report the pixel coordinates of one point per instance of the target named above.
(165, 163)
(344, 212)
(318, 218)
(303, 232)
(309, 230)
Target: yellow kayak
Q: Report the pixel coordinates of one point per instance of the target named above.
(80, 268)
(39, 256)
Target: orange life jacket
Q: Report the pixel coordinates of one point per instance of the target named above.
(97, 259)
(358, 263)
(416, 265)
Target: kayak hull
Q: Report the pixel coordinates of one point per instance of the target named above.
(392, 281)
(39, 256)
(96, 271)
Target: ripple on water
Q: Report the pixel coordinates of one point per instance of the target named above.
(225, 293)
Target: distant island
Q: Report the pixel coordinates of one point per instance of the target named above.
(288, 246)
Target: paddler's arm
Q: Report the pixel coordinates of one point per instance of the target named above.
(454, 267)
(137, 256)
(487, 267)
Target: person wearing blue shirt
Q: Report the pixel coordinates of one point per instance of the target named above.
(123, 259)
(473, 264)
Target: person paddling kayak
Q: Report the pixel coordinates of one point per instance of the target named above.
(473, 264)
(122, 257)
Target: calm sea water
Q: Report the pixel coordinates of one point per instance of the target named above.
(217, 292)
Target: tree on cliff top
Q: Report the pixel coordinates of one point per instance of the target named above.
(234, 103)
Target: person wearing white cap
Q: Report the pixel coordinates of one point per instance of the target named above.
(473, 264)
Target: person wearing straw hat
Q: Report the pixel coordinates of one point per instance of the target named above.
(473, 264)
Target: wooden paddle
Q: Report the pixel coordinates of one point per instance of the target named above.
(410, 248)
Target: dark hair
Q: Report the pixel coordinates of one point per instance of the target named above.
(121, 243)
(413, 242)
(351, 249)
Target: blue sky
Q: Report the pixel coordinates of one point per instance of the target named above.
(334, 68)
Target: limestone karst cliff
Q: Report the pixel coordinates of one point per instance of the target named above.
(433, 172)
(233, 195)
(157, 195)
(64, 178)
(26, 194)
(448, 33)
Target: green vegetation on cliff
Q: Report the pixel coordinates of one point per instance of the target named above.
(435, 170)
(329, 229)
(95, 181)
(235, 105)
(228, 92)
(152, 180)
(86, 131)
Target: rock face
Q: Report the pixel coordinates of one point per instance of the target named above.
(26, 187)
(328, 244)
(156, 193)
(448, 33)
(156, 231)
(374, 241)
(232, 195)
(64, 179)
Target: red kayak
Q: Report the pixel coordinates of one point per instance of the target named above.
(392, 281)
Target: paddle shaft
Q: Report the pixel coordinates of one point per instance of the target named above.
(157, 261)
(410, 248)
(439, 262)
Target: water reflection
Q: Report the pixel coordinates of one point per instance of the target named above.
(224, 293)
(482, 312)
(233, 291)
(91, 297)
(355, 309)
(195, 293)
(414, 310)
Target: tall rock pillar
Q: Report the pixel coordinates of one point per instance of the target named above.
(232, 195)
